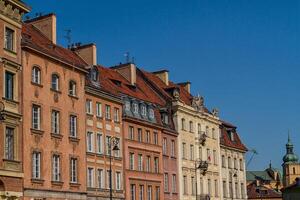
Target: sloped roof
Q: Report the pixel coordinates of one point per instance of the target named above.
(255, 175)
(35, 39)
(262, 192)
(226, 141)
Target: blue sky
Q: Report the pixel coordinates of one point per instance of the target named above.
(242, 56)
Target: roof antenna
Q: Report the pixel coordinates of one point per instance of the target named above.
(68, 37)
(127, 55)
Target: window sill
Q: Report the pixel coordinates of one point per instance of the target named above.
(37, 84)
(75, 184)
(38, 181)
(90, 114)
(11, 101)
(37, 131)
(56, 91)
(11, 161)
(117, 122)
(99, 117)
(73, 96)
(57, 183)
(108, 119)
(90, 153)
(10, 51)
(74, 139)
(173, 157)
(56, 135)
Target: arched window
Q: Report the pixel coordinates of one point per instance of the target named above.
(207, 131)
(191, 127)
(36, 75)
(183, 124)
(72, 88)
(55, 82)
(94, 74)
(294, 170)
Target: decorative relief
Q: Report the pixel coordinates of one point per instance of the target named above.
(8, 10)
(55, 97)
(215, 112)
(36, 93)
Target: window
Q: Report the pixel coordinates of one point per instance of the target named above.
(140, 162)
(183, 150)
(99, 109)
(131, 161)
(89, 140)
(151, 113)
(173, 148)
(100, 178)
(199, 130)
(224, 189)
(185, 185)
(55, 82)
(216, 188)
(235, 163)
(89, 107)
(108, 179)
(148, 139)
(191, 152)
(229, 163)
(148, 164)
(135, 108)
(36, 165)
(209, 187)
(118, 180)
(241, 165)
(174, 183)
(243, 190)
(223, 161)
(214, 134)
(237, 194)
(165, 118)
(166, 182)
(215, 157)
(9, 85)
(201, 185)
(156, 165)
(182, 124)
(207, 131)
(140, 135)
(36, 75)
(107, 112)
(73, 170)
(157, 193)
(94, 74)
(72, 88)
(141, 195)
(73, 126)
(149, 193)
(155, 134)
(191, 127)
(55, 121)
(143, 110)
(55, 168)
(200, 153)
(165, 146)
(127, 106)
(36, 117)
(9, 143)
(99, 143)
(108, 145)
(231, 135)
(131, 132)
(193, 183)
(230, 190)
(116, 115)
(90, 177)
(9, 39)
(132, 192)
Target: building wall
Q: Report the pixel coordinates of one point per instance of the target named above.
(43, 140)
(228, 171)
(187, 163)
(291, 171)
(136, 177)
(100, 160)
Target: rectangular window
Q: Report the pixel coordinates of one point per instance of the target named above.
(55, 168)
(89, 141)
(9, 85)
(209, 187)
(108, 146)
(243, 190)
(148, 139)
(166, 182)
(108, 179)
(156, 165)
(131, 133)
(184, 185)
(183, 150)
(131, 161)
(116, 115)
(118, 180)
(99, 143)
(101, 179)
(155, 134)
(241, 165)
(141, 193)
(230, 190)
(73, 170)
(149, 193)
(235, 163)
(140, 135)
(89, 106)
(165, 146)
(9, 39)
(99, 109)
(157, 193)
(193, 183)
(90, 177)
(223, 161)
(224, 189)
(140, 162)
(200, 153)
(174, 183)
(215, 157)
(73, 126)
(237, 194)
(36, 117)
(132, 192)
(173, 148)
(148, 164)
(216, 188)
(55, 122)
(191, 152)
(36, 165)
(9, 143)
(107, 112)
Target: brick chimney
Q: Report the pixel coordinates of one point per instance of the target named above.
(128, 71)
(163, 75)
(46, 24)
(186, 85)
(87, 52)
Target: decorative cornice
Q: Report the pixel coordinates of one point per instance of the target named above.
(101, 93)
(13, 9)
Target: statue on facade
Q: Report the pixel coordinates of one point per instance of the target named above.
(198, 102)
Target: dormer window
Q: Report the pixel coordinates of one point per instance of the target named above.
(230, 135)
(94, 74)
(135, 108)
(143, 110)
(151, 113)
(127, 106)
(165, 118)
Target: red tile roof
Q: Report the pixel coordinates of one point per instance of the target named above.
(263, 193)
(226, 141)
(35, 39)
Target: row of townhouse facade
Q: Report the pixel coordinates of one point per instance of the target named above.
(73, 129)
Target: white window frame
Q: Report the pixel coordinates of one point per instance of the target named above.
(90, 141)
(89, 106)
(55, 122)
(36, 75)
(98, 109)
(36, 165)
(73, 126)
(73, 170)
(56, 176)
(36, 117)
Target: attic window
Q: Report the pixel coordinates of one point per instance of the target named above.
(151, 113)
(230, 135)
(94, 74)
(135, 108)
(127, 106)
(143, 110)
(165, 118)
(116, 82)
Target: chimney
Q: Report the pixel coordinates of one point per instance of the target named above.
(128, 71)
(186, 85)
(46, 24)
(87, 52)
(163, 75)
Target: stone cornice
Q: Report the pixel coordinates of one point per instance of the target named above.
(102, 94)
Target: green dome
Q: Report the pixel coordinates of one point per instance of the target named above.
(290, 157)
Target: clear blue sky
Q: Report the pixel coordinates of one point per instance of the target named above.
(243, 56)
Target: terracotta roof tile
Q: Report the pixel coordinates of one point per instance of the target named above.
(265, 193)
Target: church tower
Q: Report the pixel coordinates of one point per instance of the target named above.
(291, 166)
